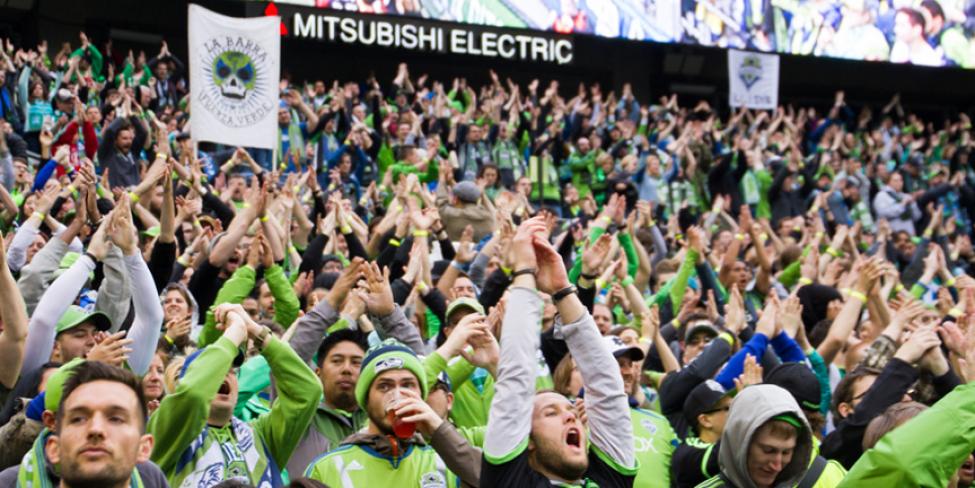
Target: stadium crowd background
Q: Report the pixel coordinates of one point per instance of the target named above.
(797, 282)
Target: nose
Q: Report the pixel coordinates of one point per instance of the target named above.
(568, 417)
(97, 426)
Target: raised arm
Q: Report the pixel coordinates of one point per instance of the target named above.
(509, 420)
(13, 315)
(606, 400)
(148, 311)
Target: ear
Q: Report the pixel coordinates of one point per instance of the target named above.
(844, 409)
(704, 422)
(48, 418)
(145, 448)
(52, 448)
(450, 401)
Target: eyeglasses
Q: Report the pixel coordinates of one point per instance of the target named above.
(716, 410)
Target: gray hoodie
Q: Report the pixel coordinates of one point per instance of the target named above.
(754, 406)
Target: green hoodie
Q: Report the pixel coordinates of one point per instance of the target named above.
(183, 438)
(239, 286)
(926, 451)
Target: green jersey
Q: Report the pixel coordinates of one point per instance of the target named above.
(654, 442)
(356, 466)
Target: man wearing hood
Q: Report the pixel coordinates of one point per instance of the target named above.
(777, 442)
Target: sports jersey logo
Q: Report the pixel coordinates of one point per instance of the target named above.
(388, 363)
(433, 479)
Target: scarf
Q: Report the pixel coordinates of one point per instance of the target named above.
(296, 144)
(216, 457)
(33, 468)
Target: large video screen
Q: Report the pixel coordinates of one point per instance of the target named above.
(926, 33)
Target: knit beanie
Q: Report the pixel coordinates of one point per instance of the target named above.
(387, 355)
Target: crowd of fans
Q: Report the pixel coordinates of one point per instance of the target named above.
(431, 284)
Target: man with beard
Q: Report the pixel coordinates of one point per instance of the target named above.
(118, 151)
(536, 440)
(199, 440)
(100, 430)
(391, 450)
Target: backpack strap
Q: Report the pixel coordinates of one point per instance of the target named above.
(814, 472)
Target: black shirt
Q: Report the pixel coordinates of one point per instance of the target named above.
(517, 473)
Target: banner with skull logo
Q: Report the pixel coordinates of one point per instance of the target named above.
(235, 69)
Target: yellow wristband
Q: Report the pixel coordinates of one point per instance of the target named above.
(899, 288)
(421, 286)
(676, 323)
(858, 296)
(950, 282)
(728, 338)
(345, 229)
(740, 237)
(833, 252)
(955, 312)
(506, 271)
(421, 233)
(763, 236)
(40, 215)
(651, 223)
(133, 197)
(600, 284)
(819, 234)
(805, 281)
(607, 220)
(644, 340)
(394, 242)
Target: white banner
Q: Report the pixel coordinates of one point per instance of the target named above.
(235, 69)
(753, 80)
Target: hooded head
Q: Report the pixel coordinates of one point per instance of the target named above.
(772, 439)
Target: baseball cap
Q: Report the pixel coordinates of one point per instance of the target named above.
(620, 349)
(702, 399)
(75, 316)
(701, 326)
(798, 380)
(64, 95)
(467, 191)
(442, 380)
(463, 303)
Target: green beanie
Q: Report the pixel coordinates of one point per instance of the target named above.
(55, 384)
(387, 355)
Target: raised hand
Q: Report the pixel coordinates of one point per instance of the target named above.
(377, 296)
(594, 255)
(551, 276)
(345, 283)
(111, 349)
(465, 248)
(121, 229)
(750, 375)
(920, 342)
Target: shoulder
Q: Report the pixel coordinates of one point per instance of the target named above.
(322, 462)
(714, 482)
(150, 474)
